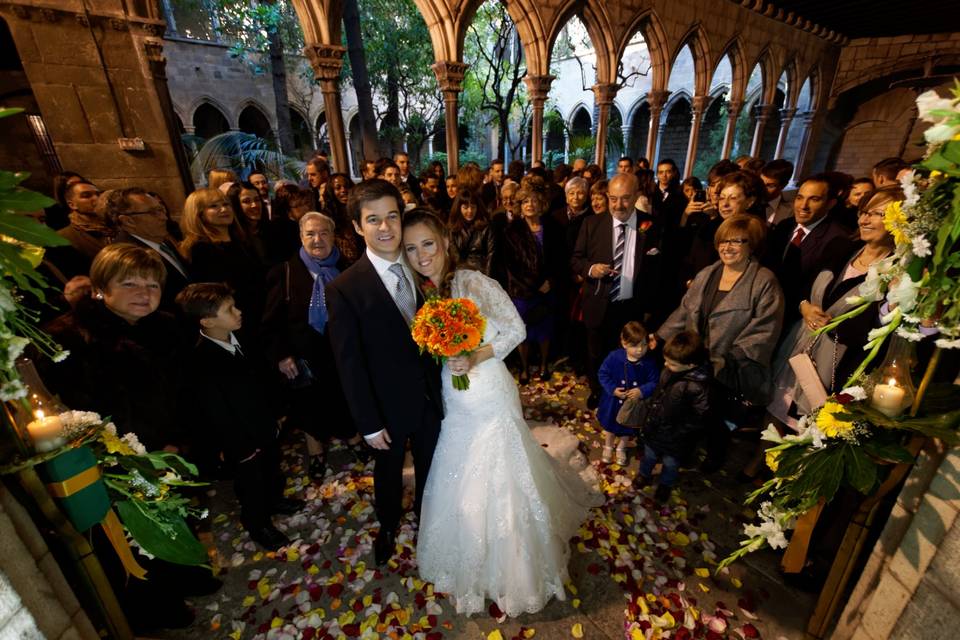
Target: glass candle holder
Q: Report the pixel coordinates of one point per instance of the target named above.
(893, 391)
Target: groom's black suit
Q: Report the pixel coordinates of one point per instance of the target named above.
(388, 383)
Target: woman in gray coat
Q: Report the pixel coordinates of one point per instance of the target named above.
(736, 306)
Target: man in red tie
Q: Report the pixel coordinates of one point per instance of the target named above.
(811, 241)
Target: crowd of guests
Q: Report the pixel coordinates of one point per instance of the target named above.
(620, 277)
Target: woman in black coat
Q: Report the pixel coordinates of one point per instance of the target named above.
(123, 352)
(216, 247)
(470, 232)
(296, 340)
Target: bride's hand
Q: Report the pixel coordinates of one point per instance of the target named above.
(459, 365)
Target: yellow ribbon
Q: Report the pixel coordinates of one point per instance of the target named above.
(795, 557)
(110, 523)
(75, 484)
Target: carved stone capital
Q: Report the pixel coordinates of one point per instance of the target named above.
(82, 19)
(118, 25)
(733, 109)
(699, 104)
(605, 93)
(538, 86)
(656, 100)
(154, 51)
(450, 75)
(762, 112)
(326, 60)
(807, 117)
(787, 115)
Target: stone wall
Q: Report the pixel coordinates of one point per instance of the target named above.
(910, 588)
(35, 599)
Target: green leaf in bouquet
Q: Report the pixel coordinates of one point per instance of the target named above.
(9, 111)
(26, 229)
(935, 425)
(860, 472)
(173, 541)
(887, 451)
(16, 266)
(936, 162)
(19, 199)
(819, 476)
(951, 151)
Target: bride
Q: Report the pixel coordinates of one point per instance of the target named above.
(498, 512)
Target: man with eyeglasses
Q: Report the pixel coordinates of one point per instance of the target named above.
(140, 219)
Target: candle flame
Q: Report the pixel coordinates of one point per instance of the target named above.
(892, 382)
(38, 414)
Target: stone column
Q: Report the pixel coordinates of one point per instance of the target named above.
(698, 105)
(786, 117)
(655, 100)
(326, 60)
(566, 145)
(157, 62)
(809, 120)
(537, 88)
(733, 112)
(763, 113)
(430, 145)
(603, 95)
(627, 131)
(450, 79)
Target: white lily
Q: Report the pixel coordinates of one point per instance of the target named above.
(903, 295)
(931, 101)
(942, 132)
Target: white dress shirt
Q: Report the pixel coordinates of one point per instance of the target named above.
(629, 254)
(807, 229)
(232, 346)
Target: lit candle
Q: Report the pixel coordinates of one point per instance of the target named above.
(888, 398)
(46, 431)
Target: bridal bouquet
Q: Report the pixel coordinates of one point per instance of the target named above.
(449, 327)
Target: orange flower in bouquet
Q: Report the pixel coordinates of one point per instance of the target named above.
(448, 327)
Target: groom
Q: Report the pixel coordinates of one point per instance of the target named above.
(393, 391)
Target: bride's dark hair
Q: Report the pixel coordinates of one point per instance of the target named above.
(426, 217)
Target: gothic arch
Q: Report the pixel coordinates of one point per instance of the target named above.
(213, 102)
(817, 89)
(648, 24)
(793, 84)
(675, 97)
(700, 51)
(320, 20)
(635, 107)
(594, 18)
(767, 79)
(889, 67)
(256, 104)
(573, 115)
(738, 68)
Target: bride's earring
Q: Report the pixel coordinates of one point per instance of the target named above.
(98, 295)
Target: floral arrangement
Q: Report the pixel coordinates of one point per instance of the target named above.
(448, 327)
(21, 239)
(851, 440)
(143, 487)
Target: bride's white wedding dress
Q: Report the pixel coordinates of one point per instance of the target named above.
(498, 511)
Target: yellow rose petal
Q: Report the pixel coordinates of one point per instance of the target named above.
(495, 635)
(577, 630)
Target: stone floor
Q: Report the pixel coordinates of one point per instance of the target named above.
(638, 569)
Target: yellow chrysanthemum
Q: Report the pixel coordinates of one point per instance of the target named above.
(829, 424)
(115, 444)
(773, 460)
(894, 221)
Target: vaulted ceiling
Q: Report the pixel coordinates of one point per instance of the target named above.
(875, 18)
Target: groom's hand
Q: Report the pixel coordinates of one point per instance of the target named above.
(380, 441)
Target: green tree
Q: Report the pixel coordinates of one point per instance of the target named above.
(494, 81)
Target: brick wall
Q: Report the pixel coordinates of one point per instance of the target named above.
(910, 588)
(35, 599)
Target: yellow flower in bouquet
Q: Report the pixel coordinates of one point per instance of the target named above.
(115, 444)
(829, 423)
(448, 327)
(773, 460)
(895, 222)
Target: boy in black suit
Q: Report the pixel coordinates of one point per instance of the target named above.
(230, 406)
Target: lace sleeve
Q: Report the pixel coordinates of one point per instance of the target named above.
(507, 327)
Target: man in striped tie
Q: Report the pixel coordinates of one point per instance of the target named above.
(618, 255)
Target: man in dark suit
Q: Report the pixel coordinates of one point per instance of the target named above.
(801, 247)
(776, 175)
(393, 391)
(142, 220)
(407, 177)
(618, 255)
(668, 199)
